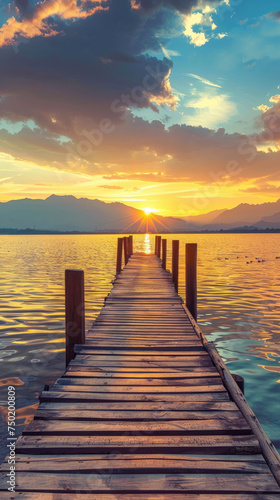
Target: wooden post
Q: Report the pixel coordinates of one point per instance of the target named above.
(175, 263)
(163, 258)
(119, 255)
(156, 244)
(74, 311)
(191, 278)
(125, 248)
(159, 246)
(240, 381)
(128, 246)
(130, 238)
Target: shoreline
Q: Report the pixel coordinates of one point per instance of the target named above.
(27, 231)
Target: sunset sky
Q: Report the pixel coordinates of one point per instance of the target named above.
(167, 104)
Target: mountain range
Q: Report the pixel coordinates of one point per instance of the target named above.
(67, 213)
(260, 216)
(70, 214)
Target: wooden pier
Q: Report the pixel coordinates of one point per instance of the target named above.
(146, 408)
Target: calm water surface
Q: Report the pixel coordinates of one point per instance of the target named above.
(239, 290)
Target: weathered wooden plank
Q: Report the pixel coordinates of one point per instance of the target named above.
(162, 483)
(226, 444)
(81, 396)
(81, 350)
(156, 388)
(78, 385)
(159, 331)
(139, 464)
(214, 426)
(171, 406)
(146, 357)
(77, 414)
(137, 496)
(142, 333)
(148, 345)
(146, 371)
(143, 337)
(134, 365)
(145, 382)
(85, 368)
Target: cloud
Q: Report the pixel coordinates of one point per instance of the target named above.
(196, 38)
(35, 23)
(22, 7)
(70, 83)
(109, 186)
(263, 187)
(211, 109)
(203, 80)
(263, 108)
(182, 6)
(168, 53)
(206, 28)
(269, 121)
(250, 64)
(148, 152)
(254, 25)
(275, 15)
(275, 99)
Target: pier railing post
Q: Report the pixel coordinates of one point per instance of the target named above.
(191, 278)
(130, 240)
(74, 311)
(156, 244)
(163, 257)
(158, 247)
(175, 263)
(125, 248)
(119, 255)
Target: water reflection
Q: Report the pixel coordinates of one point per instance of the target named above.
(148, 244)
(238, 308)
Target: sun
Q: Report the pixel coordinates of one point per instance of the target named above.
(148, 210)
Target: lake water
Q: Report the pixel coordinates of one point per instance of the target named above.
(238, 305)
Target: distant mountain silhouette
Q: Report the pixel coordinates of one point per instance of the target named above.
(203, 219)
(245, 215)
(67, 213)
(271, 222)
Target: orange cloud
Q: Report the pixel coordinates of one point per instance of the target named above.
(166, 97)
(135, 4)
(36, 25)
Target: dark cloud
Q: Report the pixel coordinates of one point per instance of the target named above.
(275, 15)
(269, 122)
(69, 82)
(183, 6)
(23, 7)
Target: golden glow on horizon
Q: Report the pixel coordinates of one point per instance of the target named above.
(149, 210)
(21, 179)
